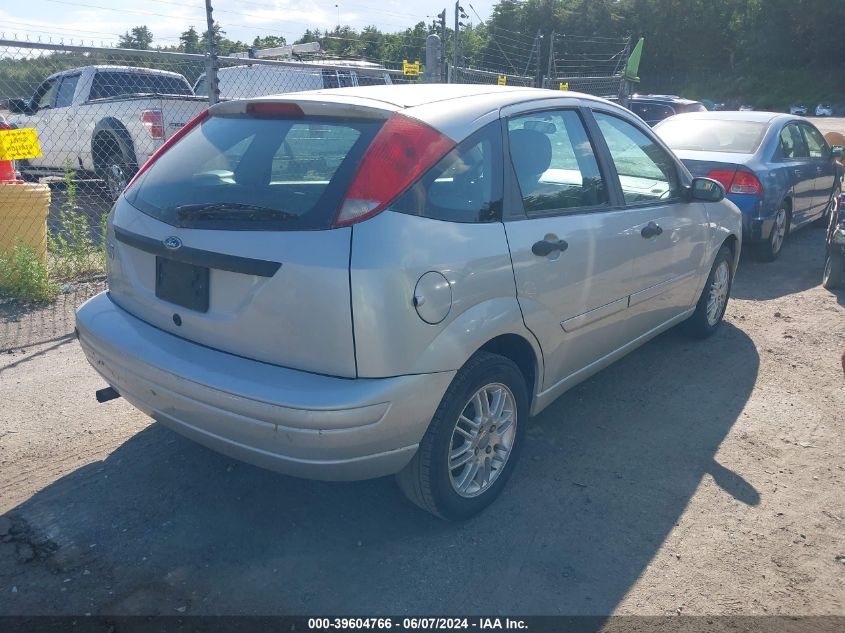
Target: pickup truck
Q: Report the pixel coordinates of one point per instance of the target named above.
(103, 120)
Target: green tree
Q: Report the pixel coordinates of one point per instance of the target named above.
(189, 41)
(139, 37)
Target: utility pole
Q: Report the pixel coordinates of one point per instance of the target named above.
(211, 63)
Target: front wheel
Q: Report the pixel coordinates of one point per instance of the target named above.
(711, 306)
(834, 271)
(473, 442)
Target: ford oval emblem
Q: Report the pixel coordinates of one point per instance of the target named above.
(172, 242)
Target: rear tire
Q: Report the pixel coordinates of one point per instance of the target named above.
(769, 250)
(115, 164)
(710, 309)
(470, 448)
(834, 272)
(116, 175)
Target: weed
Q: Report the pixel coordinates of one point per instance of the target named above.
(23, 276)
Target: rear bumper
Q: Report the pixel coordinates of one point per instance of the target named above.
(757, 220)
(756, 229)
(295, 422)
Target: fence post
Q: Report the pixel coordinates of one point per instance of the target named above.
(456, 52)
(432, 59)
(211, 59)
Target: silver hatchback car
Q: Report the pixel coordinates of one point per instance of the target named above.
(361, 282)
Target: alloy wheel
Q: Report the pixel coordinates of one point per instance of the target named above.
(718, 293)
(482, 440)
(779, 231)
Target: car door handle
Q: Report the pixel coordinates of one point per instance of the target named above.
(797, 172)
(652, 229)
(547, 247)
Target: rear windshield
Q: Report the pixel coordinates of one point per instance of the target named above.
(740, 137)
(114, 84)
(241, 173)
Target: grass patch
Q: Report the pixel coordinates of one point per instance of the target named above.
(24, 277)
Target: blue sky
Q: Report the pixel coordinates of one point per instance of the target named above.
(103, 20)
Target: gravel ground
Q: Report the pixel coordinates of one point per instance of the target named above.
(688, 478)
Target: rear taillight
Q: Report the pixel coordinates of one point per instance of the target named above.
(737, 181)
(202, 116)
(723, 176)
(746, 182)
(154, 122)
(400, 153)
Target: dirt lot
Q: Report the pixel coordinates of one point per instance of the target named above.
(690, 477)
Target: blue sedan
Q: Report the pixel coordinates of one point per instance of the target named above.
(777, 168)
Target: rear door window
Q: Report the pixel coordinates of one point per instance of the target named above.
(243, 173)
(646, 172)
(465, 186)
(115, 84)
(554, 162)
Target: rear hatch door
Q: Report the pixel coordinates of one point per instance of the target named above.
(228, 239)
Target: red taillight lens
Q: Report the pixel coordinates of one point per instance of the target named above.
(746, 182)
(737, 181)
(154, 122)
(202, 116)
(723, 176)
(402, 150)
(275, 110)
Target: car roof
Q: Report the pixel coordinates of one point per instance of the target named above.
(115, 69)
(456, 110)
(751, 116)
(663, 99)
(414, 95)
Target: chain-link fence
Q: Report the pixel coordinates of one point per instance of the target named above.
(506, 58)
(593, 65)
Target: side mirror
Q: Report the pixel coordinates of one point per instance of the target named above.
(706, 190)
(19, 106)
(837, 151)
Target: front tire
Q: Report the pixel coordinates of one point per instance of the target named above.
(834, 272)
(710, 309)
(473, 441)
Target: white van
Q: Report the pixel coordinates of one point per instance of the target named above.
(255, 80)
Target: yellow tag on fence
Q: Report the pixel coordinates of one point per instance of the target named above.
(412, 70)
(564, 85)
(503, 80)
(19, 144)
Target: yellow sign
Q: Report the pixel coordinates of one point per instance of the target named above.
(564, 85)
(503, 80)
(19, 144)
(411, 69)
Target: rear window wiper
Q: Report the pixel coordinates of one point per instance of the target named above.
(231, 211)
